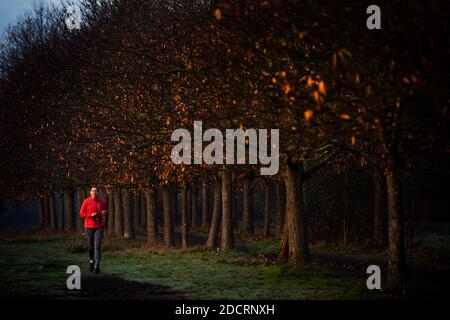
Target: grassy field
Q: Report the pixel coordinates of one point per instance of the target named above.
(33, 265)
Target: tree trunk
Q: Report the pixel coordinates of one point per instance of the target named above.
(298, 246)
(143, 219)
(40, 212)
(60, 210)
(127, 227)
(378, 208)
(152, 237)
(194, 217)
(52, 212)
(80, 199)
(46, 211)
(233, 204)
(247, 219)
(206, 223)
(184, 214)
(136, 210)
(266, 209)
(111, 212)
(396, 252)
(255, 198)
(168, 224)
(175, 218)
(118, 215)
(302, 218)
(214, 228)
(278, 217)
(68, 208)
(284, 247)
(227, 241)
(346, 219)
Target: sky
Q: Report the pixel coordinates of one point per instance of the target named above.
(11, 9)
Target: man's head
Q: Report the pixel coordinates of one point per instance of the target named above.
(94, 192)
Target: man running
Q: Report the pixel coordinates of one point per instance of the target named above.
(94, 210)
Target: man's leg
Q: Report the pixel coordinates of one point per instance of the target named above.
(91, 249)
(98, 247)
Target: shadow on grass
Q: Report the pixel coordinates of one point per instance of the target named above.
(111, 287)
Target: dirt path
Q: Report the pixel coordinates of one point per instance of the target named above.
(345, 264)
(110, 287)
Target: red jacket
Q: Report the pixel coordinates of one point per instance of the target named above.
(90, 206)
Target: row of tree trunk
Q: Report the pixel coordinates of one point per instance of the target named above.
(56, 211)
(59, 211)
(133, 210)
(294, 245)
(130, 211)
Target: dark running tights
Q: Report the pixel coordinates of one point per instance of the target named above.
(94, 237)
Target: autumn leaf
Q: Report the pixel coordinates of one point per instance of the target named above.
(353, 140)
(357, 78)
(344, 116)
(315, 96)
(286, 88)
(308, 114)
(309, 82)
(344, 53)
(218, 14)
(322, 87)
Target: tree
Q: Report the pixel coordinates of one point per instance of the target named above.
(168, 217)
(184, 215)
(214, 229)
(111, 212)
(136, 210)
(266, 209)
(205, 209)
(127, 225)
(152, 236)
(247, 212)
(118, 213)
(227, 240)
(68, 208)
